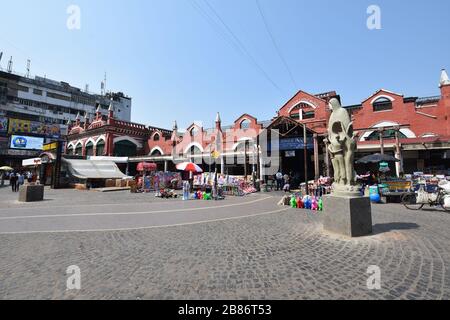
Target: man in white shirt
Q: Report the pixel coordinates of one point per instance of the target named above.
(279, 177)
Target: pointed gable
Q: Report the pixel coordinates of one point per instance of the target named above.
(382, 93)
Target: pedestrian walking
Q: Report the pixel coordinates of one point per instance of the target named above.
(20, 180)
(13, 181)
(30, 177)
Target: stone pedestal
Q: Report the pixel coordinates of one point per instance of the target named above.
(348, 216)
(31, 193)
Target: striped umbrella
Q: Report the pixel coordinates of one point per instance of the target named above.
(189, 167)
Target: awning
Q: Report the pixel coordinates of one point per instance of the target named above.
(88, 169)
(113, 159)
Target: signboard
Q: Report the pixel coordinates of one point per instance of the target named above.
(26, 142)
(290, 154)
(289, 144)
(45, 129)
(215, 154)
(3, 124)
(50, 146)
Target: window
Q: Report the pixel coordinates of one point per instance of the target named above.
(387, 135)
(58, 96)
(295, 115)
(308, 115)
(156, 137)
(382, 104)
(302, 111)
(37, 92)
(18, 87)
(194, 132)
(245, 124)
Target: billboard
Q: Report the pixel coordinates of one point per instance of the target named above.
(26, 142)
(34, 127)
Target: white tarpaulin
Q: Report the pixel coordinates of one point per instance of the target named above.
(113, 159)
(87, 169)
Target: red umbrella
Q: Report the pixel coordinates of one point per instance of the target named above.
(146, 166)
(189, 167)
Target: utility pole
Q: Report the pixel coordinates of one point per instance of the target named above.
(305, 155)
(381, 132)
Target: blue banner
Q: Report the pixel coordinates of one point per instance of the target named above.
(287, 144)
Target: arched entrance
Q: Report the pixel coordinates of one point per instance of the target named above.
(295, 153)
(89, 149)
(125, 148)
(79, 150)
(100, 149)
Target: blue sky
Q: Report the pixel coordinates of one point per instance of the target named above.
(178, 66)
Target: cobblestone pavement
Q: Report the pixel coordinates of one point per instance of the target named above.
(243, 252)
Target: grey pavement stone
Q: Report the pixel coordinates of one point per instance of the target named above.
(282, 255)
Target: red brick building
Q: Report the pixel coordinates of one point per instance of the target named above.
(415, 129)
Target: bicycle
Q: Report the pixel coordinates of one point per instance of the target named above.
(409, 200)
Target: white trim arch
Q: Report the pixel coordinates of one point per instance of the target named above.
(429, 135)
(102, 137)
(126, 138)
(71, 145)
(94, 143)
(407, 132)
(242, 140)
(302, 102)
(193, 144)
(156, 149)
(381, 96)
(157, 132)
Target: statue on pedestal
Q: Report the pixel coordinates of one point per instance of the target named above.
(341, 144)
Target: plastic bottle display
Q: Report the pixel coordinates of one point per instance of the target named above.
(320, 204)
(293, 202)
(314, 204)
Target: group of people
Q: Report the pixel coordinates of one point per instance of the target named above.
(16, 179)
(283, 182)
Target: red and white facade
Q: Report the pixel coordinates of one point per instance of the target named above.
(416, 130)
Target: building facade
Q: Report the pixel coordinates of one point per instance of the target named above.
(414, 129)
(41, 108)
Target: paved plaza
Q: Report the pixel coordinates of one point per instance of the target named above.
(135, 246)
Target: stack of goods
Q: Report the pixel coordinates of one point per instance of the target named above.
(306, 202)
(167, 194)
(320, 187)
(201, 196)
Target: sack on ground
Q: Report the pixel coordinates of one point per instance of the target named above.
(425, 197)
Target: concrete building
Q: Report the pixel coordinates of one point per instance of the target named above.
(41, 108)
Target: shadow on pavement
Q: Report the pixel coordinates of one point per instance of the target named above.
(394, 226)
